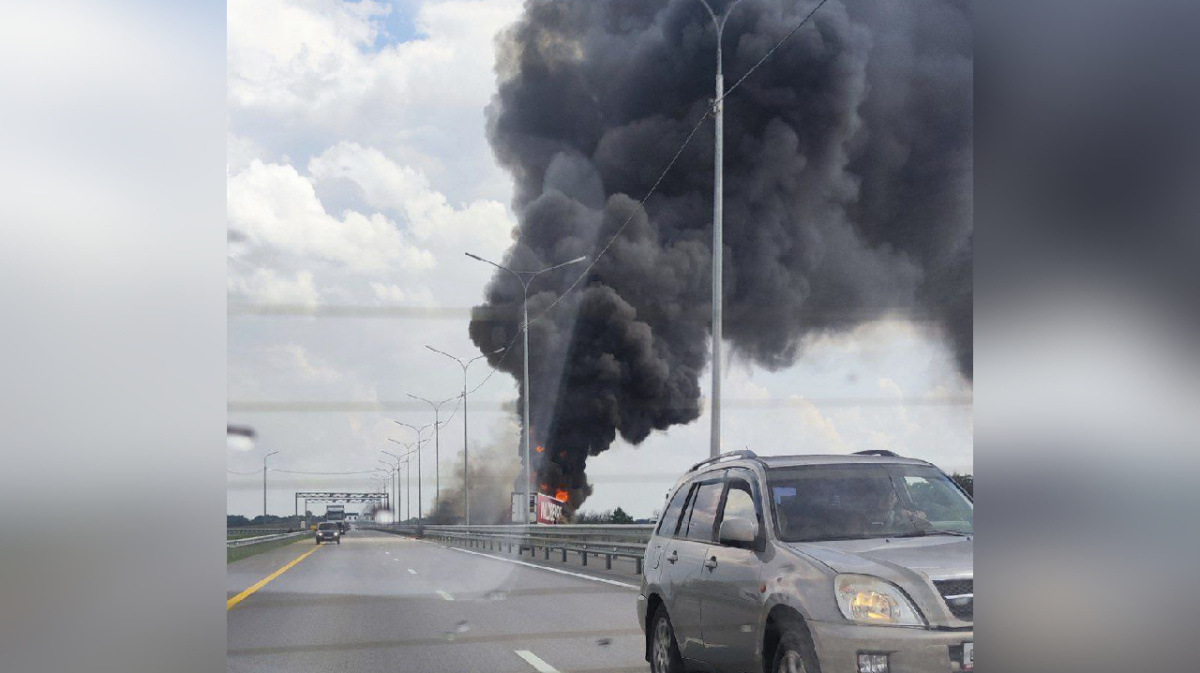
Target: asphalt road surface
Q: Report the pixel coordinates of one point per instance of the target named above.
(380, 602)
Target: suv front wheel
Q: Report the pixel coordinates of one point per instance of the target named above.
(794, 653)
(664, 650)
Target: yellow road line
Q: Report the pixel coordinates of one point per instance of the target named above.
(266, 580)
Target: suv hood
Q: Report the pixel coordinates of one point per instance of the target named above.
(936, 556)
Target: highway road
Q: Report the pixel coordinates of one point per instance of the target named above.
(380, 602)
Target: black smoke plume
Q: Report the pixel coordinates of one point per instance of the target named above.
(848, 196)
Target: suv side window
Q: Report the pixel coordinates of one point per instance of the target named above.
(740, 501)
(703, 511)
(669, 523)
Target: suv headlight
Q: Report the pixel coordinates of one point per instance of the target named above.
(870, 600)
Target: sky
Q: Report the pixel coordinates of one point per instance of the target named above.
(358, 173)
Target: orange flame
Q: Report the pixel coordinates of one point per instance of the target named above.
(540, 449)
(562, 495)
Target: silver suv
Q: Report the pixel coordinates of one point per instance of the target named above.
(823, 564)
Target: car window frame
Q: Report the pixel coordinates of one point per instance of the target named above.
(747, 476)
(686, 490)
(708, 478)
(685, 514)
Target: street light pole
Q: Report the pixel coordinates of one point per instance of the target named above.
(419, 442)
(396, 474)
(437, 479)
(718, 248)
(466, 476)
(525, 330)
(265, 484)
(387, 481)
(408, 451)
(390, 470)
(408, 488)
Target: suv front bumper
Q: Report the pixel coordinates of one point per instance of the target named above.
(909, 650)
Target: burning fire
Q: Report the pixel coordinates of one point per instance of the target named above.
(540, 449)
(560, 494)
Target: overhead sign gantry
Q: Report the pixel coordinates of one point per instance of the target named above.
(339, 497)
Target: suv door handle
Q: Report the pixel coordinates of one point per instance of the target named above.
(711, 563)
(673, 557)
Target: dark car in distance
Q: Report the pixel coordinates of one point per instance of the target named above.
(328, 531)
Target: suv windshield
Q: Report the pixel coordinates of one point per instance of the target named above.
(326, 526)
(848, 502)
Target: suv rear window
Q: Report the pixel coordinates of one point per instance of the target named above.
(670, 518)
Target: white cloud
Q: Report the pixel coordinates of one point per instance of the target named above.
(309, 73)
(267, 286)
(292, 357)
(273, 204)
(239, 152)
(316, 57)
(406, 192)
(410, 296)
(285, 53)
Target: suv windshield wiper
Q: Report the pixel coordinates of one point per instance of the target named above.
(933, 531)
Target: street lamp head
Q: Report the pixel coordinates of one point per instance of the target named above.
(581, 258)
(475, 257)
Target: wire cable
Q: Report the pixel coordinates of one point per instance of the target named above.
(654, 187)
(770, 51)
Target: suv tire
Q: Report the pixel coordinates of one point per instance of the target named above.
(794, 654)
(664, 650)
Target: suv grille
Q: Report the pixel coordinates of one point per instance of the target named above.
(959, 596)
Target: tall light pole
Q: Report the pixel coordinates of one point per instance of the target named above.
(408, 488)
(521, 277)
(466, 477)
(408, 451)
(390, 471)
(396, 476)
(437, 426)
(419, 442)
(265, 484)
(718, 248)
(387, 479)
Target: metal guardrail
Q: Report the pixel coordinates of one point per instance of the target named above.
(263, 531)
(607, 542)
(246, 541)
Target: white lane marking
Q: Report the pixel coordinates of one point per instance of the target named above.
(388, 553)
(410, 570)
(536, 661)
(553, 570)
(445, 596)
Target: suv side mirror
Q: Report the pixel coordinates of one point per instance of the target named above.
(738, 532)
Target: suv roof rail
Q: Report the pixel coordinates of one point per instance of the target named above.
(877, 452)
(730, 455)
